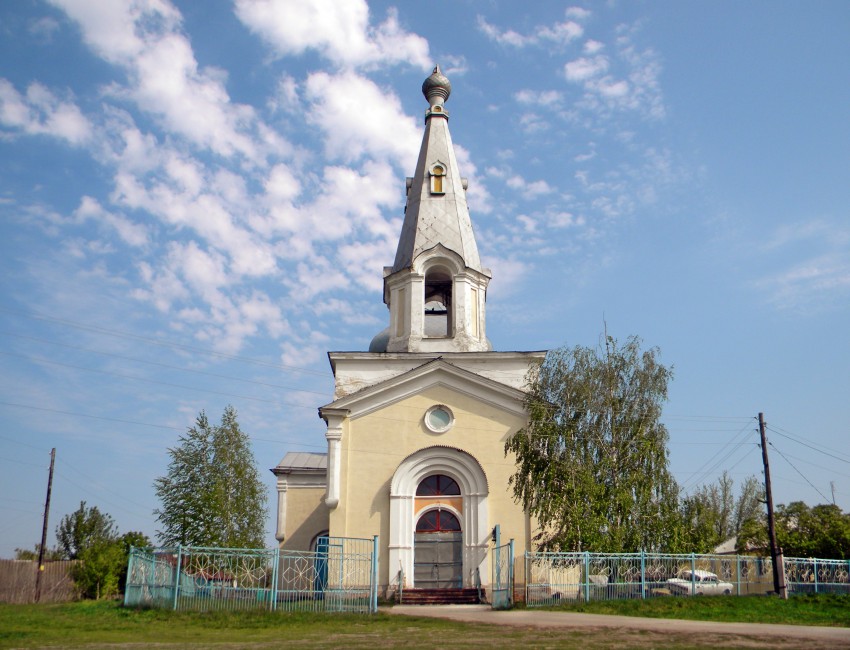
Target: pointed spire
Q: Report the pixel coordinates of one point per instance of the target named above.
(436, 288)
(436, 210)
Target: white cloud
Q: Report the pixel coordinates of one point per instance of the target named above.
(558, 33)
(813, 283)
(585, 68)
(364, 261)
(453, 66)
(478, 196)
(39, 112)
(813, 261)
(300, 355)
(131, 233)
(539, 97)
(44, 28)
(626, 80)
(286, 98)
(315, 276)
(529, 190)
(164, 78)
(340, 31)
(579, 13)
(360, 119)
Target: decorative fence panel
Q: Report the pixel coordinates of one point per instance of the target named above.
(338, 576)
(555, 577)
(502, 578)
(811, 575)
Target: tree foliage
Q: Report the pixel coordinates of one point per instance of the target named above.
(212, 494)
(82, 529)
(50, 554)
(821, 531)
(90, 536)
(713, 514)
(592, 463)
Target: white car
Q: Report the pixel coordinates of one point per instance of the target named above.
(700, 583)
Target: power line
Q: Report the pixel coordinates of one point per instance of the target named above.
(808, 462)
(711, 464)
(799, 472)
(161, 365)
(133, 377)
(161, 343)
(93, 417)
(812, 447)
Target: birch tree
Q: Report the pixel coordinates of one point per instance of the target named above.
(592, 463)
(212, 494)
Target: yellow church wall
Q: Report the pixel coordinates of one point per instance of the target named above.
(306, 517)
(375, 444)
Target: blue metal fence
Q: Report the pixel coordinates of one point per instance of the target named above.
(340, 575)
(555, 577)
(502, 584)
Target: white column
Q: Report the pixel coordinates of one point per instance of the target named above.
(334, 438)
(280, 533)
(401, 538)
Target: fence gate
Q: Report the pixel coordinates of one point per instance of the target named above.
(502, 578)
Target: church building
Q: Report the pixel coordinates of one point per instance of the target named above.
(417, 425)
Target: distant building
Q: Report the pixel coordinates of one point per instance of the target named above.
(417, 426)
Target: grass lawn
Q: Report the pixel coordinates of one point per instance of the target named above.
(104, 624)
(821, 609)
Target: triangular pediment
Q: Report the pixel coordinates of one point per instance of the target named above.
(436, 372)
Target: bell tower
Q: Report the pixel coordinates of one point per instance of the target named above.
(436, 289)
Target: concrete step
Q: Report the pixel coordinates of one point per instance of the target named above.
(441, 596)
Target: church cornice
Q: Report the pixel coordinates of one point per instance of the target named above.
(433, 372)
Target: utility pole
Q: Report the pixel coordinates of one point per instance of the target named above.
(775, 551)
(44, 528)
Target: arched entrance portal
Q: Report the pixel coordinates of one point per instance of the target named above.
(438, 541)
(438, 500)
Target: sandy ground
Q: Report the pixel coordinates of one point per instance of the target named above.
(752, 635)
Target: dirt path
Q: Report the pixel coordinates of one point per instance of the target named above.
(739, 634)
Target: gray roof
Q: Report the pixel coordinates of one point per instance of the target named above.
(303, 460)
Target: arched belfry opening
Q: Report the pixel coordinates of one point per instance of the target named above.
(438, 303)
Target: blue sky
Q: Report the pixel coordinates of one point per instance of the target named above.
(197, 200)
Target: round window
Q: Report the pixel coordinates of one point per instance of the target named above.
(439, 418)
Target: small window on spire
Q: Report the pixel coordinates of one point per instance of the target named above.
(437, 174)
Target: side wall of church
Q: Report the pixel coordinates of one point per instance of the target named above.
(374, 445)
(306, 517)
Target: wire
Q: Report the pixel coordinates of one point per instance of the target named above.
(800, 442)
(711, 464)
(100, 497)
(168, 344)
(133, 377)
(799, 472)
(93, 417)
(161, 365)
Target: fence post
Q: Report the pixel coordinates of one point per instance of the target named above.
(511, 574)
(276, 560)
(815, 569)
(642, 573)
(527, 568)
(374, 595)
(738, 573)
(693, 574)
(130, 563)
(586, 577)
(177, 575)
